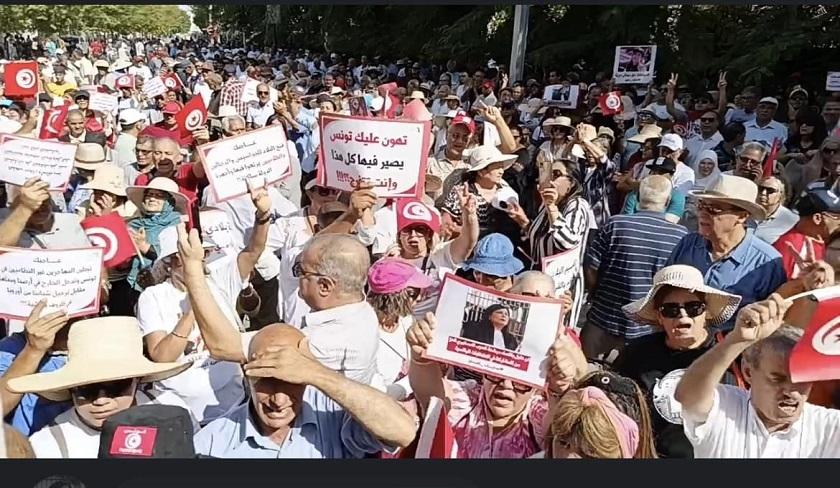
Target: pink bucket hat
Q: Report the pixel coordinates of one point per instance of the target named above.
(392, 275)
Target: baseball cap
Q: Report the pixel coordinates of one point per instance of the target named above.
(171, 108)
(391, 275)
(411, 211)
(81, 94)
(672, 142)
(462, 119)
(798, 89)
(769, 100)
(130, 116)
(148, 432)
(818, 197)
(666, 165)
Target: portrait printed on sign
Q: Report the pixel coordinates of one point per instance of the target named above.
(494, 333)
(634, 64)
(563, 95)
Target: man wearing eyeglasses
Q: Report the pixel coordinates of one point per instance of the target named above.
(708, 138)
(262, 109)
(763, 128)
(771, 196)
(749, 161)
(819, 217)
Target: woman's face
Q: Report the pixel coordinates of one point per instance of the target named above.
(493, 173)
(13, 115)
(682, 315)
(500, 318)
(154, 200)
(648, 148)
(563, 184)
(505, 398)
(96, 403)
(415, 239)
(558, 133)
(706, 167)
(805, 129)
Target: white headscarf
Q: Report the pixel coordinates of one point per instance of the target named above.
(701, 183)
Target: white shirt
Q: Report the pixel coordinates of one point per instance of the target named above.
(766, 134)
(210, 388)
(143, 71)
(733, 430)
(781, 221)
(695, 145)
(82, 442)
(392, 356)
(683, 179)
(498, 339)
(287, 237)
(258, 115)
(661, 110)
(435, 266)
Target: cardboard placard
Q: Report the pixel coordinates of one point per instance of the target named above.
(634, 64)
(562, 96)
(154, 87)
(103, 102)
(564, 269)
(22, 158)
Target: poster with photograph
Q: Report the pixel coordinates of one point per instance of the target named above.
(494, 333)
(562, 96)
(22, 158)
(634, 64)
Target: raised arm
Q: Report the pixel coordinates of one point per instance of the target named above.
(167, 347)
(722, 94)
(494, 116)
(462, 246)
(362, 201)
(32, 195)
(669, 98)
(424, 375)
(249, 256)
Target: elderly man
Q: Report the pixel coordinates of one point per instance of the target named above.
(749, 97)
(763, 128)
(343, 329)
(301, 409)
(31, 221)
(76, 132)
(771, 195)
(708, 138)
(771, 420)
(749, 161)
(728, 254)
(233, 125)
(453, 156)
(168, 161)
(131, 121)
(620, 265)
(260, 111)
(819, 218)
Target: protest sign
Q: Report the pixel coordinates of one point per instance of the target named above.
(816, 357)
(22, 158)
(67, 279)
(22, 79)
(832, 81)
(562, 96)
(358, 107)
(388, 154)
(260, 156)
(564, 269)
(471, 318)
(103, 102)
(217, 229)
(249, 91)
(634, 64)
(154, 87)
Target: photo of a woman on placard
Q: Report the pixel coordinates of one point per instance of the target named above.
(492, 328)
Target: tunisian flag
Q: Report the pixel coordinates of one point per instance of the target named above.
(192, 117)
(610, 103)
(22, 79)
(436, 439)
(770, 162)
(816, 357)
(172, 82)
(111, 234)
(52, 122)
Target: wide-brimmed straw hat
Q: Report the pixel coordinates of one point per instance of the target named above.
(89, 155)
(135, 193)
(108, 178)
(99, 350)
(736, 191)
(484, 156)
(561, 121)
(650, 131)
(720, 306)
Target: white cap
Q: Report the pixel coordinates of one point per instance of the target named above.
(769, 100)
(130, 116)
(672, 142)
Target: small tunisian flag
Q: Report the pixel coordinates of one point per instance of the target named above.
(437, 440)
(192, 117)
(770, 162)
(816, 357)
(22, 79)
(110, 233)
(52, 122)
(610, 103)
(172, 82)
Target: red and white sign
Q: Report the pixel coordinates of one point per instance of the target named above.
(68, 279)
(610, 103)
(260, 156)
(124, 81)
(472, 320)
(816, 357)
(437, 439)
(22, 158)
(52, 122)
(133, 441)
(22, 79)
(110, 233)
(391, 155)
(191, 117)
(172, 82)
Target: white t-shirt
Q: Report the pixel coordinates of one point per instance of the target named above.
(733, 430)
(210, 388)
(287, 237)
(392, 356)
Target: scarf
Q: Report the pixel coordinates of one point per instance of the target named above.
(154, 224)
(701, 183)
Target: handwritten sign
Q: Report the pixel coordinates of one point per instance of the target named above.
(389, 154)
(832, 81)
(217, 229)
(471, 318)
(260, 155)
(154, 87)
(68, 279)
(564, 268)
(634, 64)
(103, 102)
(22, 158)
(249, 91)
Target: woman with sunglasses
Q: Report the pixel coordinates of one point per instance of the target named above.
(824, 165)
(684, 309)
(803, 144)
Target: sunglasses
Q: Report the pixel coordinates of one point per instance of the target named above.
(707, 119)
(714, 210)
(768, 189)
(110, 389)
(518, 388)
(299, 272)
(828, 150)
(323, 192)
(749, 161)
(673, 310)
(263, 92)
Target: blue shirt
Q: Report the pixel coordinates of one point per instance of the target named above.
(322, 430)
(752, 270)
(33, 412)
(307, 140)
(675, 207)
(627, 252)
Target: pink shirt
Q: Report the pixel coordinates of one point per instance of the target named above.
(473, 433)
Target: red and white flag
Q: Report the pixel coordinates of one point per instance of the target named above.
(124, 81)
(437, 439)
(816, 357)
(611, 103)
(52, 122)
(22, 79)
(192, 117)
(111, 234)
(770, 162)
(172, 82)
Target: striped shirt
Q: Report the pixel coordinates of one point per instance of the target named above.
(627, 252)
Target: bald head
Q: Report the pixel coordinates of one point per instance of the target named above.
(274, 335)
(342, 258)
(168, 144)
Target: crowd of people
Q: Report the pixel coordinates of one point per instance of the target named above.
(695, 216)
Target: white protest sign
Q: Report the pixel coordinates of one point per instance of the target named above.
(217, 228)
(391, 155)
(634, 64)
(491, 135)
(22, 158)
(67, 279)
(471, 316)
(154, 87)
(249, 92)
(832, 81)
(563, 96)
(564, 269)
(259, 156)
(103, 102)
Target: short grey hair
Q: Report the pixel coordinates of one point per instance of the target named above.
(532, 276)
(342, 258)
(782, 341)
(226, 122)
(654, 193)
(753, 146)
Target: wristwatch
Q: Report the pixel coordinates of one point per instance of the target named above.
(269, 217)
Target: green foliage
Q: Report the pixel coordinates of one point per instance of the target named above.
(155, 20)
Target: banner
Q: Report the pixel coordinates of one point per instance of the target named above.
(259, 156)
(22, 79)
(191, 117)
(832, 81)
(816, 357)
(634, 65)
(103, 102)
(68, 279)
(388, 154)
(472, 319)
(52, 122)
(22, 158)
(154, 87)
(110, 233)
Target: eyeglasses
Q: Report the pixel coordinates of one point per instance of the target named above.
(714, 209)
(517, 387)
(299, 272)
(829, 150)
(673, 310)
(262, 92)
(707, 119)
(110, 389)
(768, 189)
(749, 161)
(323, 191)
(143, 151)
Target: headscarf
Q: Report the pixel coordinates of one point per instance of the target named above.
(626, 429)
(701, 183)
(153, 224)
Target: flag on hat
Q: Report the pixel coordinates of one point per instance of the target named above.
(191, 117)
(610, 103)
(770, 162)
(52, 122)
(22, 79)
(111, 234)
(411, 211)
(815, 356)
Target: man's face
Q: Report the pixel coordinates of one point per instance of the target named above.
(59, 77)
(715, 219)
(708, 123)
(748, 164)
(553, 79)
(798, 100)
(831, 113)
(478, 78)
(263, 93)
(237, 127)
(769, 193)
(831, 160)
(166, 156)
(765, 111)
(504, 398)
(457, 138)
(76, 124)
(775, 398)
(749, 100)
(313, 288)
(518, 91)
(329, 82)
(445, 80)
(276, 403)
(96, 403)
(143, 151)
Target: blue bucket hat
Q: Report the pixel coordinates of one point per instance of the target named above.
(493, 255)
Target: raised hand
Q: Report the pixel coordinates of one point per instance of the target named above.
(33, 194)
(563, 363)
(139, 238)
(419, 335)
(672, 82)
(549, 196)
(41, 330)
(469, 204)
(517, 214)
(758, 320)
(292, 364)
(259, 197)
(362, 198)
(721, 84)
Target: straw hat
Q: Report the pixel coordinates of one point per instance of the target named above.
(417, 95)
(720, 306)
(484, 156)
(99, 350)
(650, 131)
(135, 193)
(736, 191)
(561, 121)
(108, 178)
(89, 155)
(121, 63)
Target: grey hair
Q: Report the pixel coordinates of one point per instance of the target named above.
(342, 258)
(782, 341)
(226, 121)
(753, 146)
(654, 193)
(531, 275)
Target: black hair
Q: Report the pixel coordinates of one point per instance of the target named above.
(732, 130)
